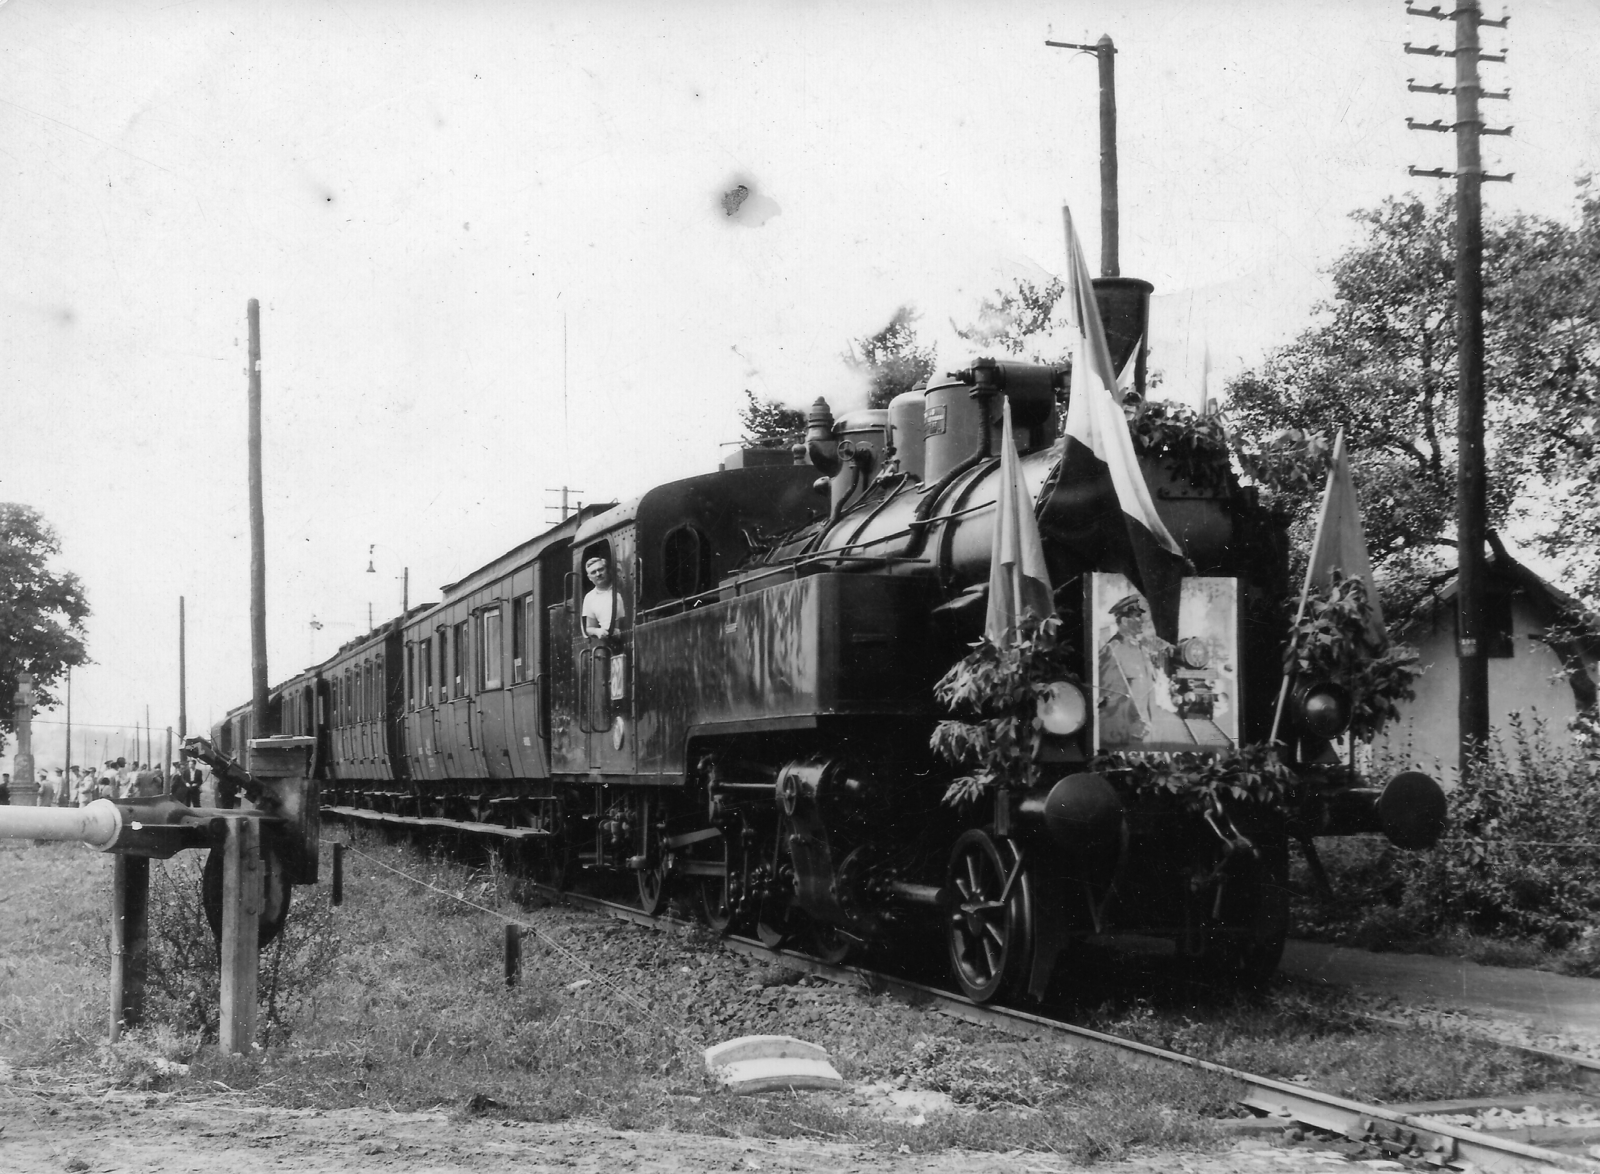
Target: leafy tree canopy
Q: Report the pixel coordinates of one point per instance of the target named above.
(1381, 362)
(41, 611)
(768, 424)
(893, 359)
(1021, 321)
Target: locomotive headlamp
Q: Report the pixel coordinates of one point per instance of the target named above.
(1322, 708)
(1193, 653)
(1063, 709)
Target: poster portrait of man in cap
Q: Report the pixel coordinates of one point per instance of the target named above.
(1154, 695)
(1129, 676)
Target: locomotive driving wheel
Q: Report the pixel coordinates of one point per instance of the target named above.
(990, 928)
(777, 920)
(652, 874)
(828, 943)
(718, 895)
(1246, 942)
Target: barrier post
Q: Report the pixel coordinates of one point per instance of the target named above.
(241, 913)
(130, 940)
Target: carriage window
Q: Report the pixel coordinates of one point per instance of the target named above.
(372, 694)
(521, 654)
(458, 660)
(408, 662)
(490, 653)
(348, 696)
(686, 562)
(380, 688)
(335, 691)
(425, 659)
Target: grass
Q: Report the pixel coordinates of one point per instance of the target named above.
(608, 1021)
(1321, 1038)
(53, 902)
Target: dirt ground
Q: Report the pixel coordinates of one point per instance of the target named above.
(75, 1129)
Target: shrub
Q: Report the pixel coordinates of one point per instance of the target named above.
(184, 984)
(1522, 856)
(1515, 881)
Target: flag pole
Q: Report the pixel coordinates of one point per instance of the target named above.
(1305, 587)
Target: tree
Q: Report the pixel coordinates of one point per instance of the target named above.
(41, 611)
(1381, 363)
(1021, 321)
(768, 424)
(892, 359)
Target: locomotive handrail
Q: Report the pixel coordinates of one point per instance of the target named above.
(739, 586)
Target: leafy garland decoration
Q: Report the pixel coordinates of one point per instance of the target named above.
(993, 694)
(1196, 443)
(1252, 773)
(1337, 640)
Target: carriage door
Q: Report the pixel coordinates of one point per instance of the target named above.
(605, 669)
(463, 752)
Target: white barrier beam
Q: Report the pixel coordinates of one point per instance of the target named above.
(98, 824)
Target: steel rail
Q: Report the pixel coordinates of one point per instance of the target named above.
(1394, 1130)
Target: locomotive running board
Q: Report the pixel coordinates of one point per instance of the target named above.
(367, 815)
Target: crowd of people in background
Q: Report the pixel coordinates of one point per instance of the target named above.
(116, 779)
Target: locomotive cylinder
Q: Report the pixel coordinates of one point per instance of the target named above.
(1083, 815)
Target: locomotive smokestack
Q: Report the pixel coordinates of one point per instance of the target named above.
(1107, 53)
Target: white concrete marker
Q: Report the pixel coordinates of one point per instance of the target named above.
(771, 1063)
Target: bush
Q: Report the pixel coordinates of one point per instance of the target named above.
(184, 985)
(1522, 856)
(1516, 880)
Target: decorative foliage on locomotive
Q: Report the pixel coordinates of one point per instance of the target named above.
(749, 727)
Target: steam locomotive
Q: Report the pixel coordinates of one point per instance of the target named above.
(755, 739)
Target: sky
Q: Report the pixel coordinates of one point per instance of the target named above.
(493, 258)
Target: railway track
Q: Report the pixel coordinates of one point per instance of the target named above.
(1413, 1131)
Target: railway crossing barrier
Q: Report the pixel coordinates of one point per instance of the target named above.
(263, 849)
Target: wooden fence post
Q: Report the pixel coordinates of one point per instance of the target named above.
(130, 939)
(241, 916)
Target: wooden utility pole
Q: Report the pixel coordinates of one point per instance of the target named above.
(1106, 52)
(64, 799)
(1472, 710)
(258, 542)
(1471, 479)
(183, 677)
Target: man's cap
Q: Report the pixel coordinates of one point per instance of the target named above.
(1127, 606)
(595, 561)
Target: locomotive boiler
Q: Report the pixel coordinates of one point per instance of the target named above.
(752, 736)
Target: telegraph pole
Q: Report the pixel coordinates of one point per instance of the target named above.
(258, 543)
(1106, 52)
(183, 678)
(64, 798)
(1472, 713)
